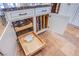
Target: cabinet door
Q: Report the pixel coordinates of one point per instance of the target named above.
(59, 23)
(8, 41)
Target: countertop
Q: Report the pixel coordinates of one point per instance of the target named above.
(23, 7)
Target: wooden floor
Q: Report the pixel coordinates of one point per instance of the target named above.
(58, 45)
(1, 28)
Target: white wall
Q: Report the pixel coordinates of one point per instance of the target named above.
(67, 9)
(75, 18)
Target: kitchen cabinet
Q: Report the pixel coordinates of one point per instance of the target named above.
(23, 26)
(41, 23)
(39, 15)
(22, 20)
(42, 19)
(55, 7)
(9, 37)
(8, 41)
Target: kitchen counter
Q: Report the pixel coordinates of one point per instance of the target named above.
(23, 7)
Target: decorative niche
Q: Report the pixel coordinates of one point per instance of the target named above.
(55, 7)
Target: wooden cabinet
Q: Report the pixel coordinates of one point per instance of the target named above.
(55, 7)
(33, 46)
(41, 22)
(23, 26)
(42, 18)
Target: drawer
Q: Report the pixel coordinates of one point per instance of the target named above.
(22, 14)
(42, 10)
